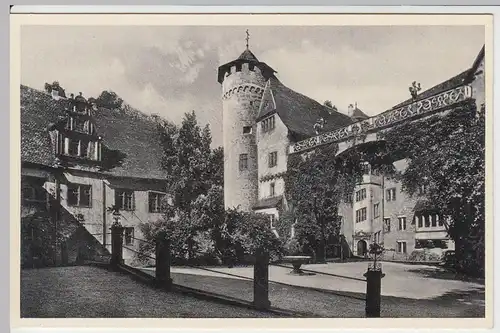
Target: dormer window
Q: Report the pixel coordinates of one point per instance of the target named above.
(268, 124)
(73, 148)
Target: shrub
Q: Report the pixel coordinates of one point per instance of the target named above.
(292, 247)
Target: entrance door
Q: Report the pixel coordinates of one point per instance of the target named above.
(362, 248)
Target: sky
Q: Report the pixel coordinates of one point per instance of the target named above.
(171, 70)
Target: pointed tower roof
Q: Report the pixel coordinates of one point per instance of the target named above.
(248, 56)
(245, 57)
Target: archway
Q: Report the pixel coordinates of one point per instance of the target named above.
(362, 247)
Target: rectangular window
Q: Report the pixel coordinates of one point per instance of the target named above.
(273, 159)
(272, 190)
(247, 129)
(268, 124)
(361, 215)
(391, 194)
(387, 224)
(125, 199)
(401, 246)
(84, 149)
(433, 221)
(79, 195)
(422, 189)
(440, 220)
(420, 222)
(402, 223)
(361, 194)
(272, 219)
(427, 220)
(129, 236)
(73, 147)
(33, 192)
(155, 201)
(243, 162)
(376, 213)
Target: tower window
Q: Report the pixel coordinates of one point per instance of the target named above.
(247, 129)
(273, 159)
(243, 162)
(402, 223)
(272, 189)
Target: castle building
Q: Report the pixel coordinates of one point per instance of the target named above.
(77, 161)
(265, 121)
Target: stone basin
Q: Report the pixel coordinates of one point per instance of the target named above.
(296, 262)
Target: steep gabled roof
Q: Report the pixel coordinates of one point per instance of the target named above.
(299, 113)
(133, 135)
(358, 114)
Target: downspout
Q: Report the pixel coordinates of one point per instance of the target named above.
(55, 212)
(383, 204)
(104, 214)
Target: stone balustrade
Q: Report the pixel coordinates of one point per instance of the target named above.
(387, 119)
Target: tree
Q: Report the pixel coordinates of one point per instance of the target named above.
(55, 86)
(109, 100)
(328, 103)
(446, 154)
(194, 181)
(315, 186)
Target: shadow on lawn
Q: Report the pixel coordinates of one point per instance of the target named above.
(445, 274)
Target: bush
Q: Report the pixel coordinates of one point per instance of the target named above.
(292, 247)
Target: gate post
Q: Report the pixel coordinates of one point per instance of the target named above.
(162, 262)
(116, 245)
(374, 277)
(261, 280)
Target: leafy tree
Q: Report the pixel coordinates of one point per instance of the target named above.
(194, 180)
(446, 154)
(328, 103)
(315, 186)
(55, 86)
(109, 100)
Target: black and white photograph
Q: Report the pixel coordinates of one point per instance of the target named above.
(254, 170)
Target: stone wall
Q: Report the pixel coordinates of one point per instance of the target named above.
(241, 94)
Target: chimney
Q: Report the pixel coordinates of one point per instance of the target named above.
(55, 94)
(350, 110)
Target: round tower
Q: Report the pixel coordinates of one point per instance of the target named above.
(243, 82)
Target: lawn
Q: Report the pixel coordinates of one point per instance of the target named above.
(91, 292)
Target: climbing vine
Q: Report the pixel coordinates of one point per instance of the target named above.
(446, 154)
(317, 183)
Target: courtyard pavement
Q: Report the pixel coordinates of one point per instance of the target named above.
(408, 291)
(401, 280)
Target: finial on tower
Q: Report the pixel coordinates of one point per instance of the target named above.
(247, 38)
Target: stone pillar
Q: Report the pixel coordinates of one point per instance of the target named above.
(116, 245)
(374, 277)
(261, 280)
(163, 279)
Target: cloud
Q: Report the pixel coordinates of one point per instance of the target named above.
(171, 70)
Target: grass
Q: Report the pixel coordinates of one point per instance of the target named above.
(327, 303)
(91, 292)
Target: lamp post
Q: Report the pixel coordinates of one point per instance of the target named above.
(116, 238)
